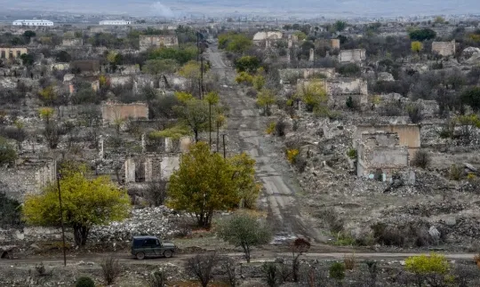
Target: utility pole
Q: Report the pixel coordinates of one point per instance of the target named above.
(61, 220)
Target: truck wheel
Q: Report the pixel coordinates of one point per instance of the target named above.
(168, 253)
(140, 255)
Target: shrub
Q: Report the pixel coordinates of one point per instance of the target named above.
(455, 173)
(244, 78)
(280, 127)
(349, 262)
(201, 266)
(392, 109)
(349, 70)
(10, 212)
(337, 271)
(110, 269)
(387, 236)
(270, 272)
(292, 155)
(421, 159)
(156, 193)
(352, 153)
(300, 163)
(85, 282)
(271, 128)
(415, 113)
(431, 268)
(8, 155)
(158, 279)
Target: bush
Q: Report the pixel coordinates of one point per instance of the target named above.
(271, 128)
(201, 267)
(300, 163)
(392, 109)
(280, 127)
(8, 155)
(386, 235)
(292, 155)
(431, 268)
(349, 262)
(158, 279)
(270, 272)
(10, 212)
(455, 173)
(415, 113)
(421, 159)
(111, 270)
(350, 70)
(156, 193)
(85, 282)
(422, 34)
(337, 271)
(352, 153)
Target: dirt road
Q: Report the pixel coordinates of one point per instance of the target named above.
(246, 133)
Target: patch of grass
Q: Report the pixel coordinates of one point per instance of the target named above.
(344, 240)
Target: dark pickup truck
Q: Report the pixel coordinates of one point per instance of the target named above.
(151, 246)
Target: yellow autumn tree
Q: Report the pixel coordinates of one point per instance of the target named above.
(86, 202)
(265, 99)
(48, 95)
(205, 182)
(416, 46)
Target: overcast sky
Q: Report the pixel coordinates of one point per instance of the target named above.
(308, 8)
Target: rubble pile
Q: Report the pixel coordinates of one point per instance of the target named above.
(157, 221)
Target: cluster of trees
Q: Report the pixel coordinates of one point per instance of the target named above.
(234, 42)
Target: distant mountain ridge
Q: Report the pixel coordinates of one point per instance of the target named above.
(310, 8)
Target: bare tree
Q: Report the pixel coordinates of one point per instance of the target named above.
(201, 266)
(298, 247)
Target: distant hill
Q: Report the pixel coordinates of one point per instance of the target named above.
(307, 8)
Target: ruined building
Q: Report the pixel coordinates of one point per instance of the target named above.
(153, 41)
(112, 111)
(444, 48)
(16, 52)
(380, 155)
(352, 56)
(327, 43)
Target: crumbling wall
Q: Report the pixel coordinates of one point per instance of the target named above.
(112, 111)
(72, 42)
(327, 43)
(381, 152)
(287, 75)
(409, 135)
(116, 81)
(28, 177)
(150, 41)
(169, 164)
(444, 48)
(270, 35)
(352, 56)
(7, 53)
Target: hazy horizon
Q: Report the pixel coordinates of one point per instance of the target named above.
(307, 8)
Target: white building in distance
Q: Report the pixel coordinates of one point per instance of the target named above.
(35, 23)
(115, 22)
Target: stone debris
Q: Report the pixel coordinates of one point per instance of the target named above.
(157, 221)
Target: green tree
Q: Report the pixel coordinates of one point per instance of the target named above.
(202, 184)
(8, 155)
(340, 26)
(439, 20)
(471, 97)
(194, 114)
(28, 35)
(160, 66)
(86, 202)
(233, 42)
(422, 34)
(249, 64)
(244, 177)
(265, 99)
(244, 231)
(27, 59)
(300, 35)
(337, 271)
(416, 46)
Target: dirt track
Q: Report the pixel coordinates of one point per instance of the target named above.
(246, 131)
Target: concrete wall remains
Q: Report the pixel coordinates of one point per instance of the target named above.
(327, 43)
(380, 153)
(409, 135)
(340, 89)
(77, 42)
(169, 165)
(7, 53)
(112, 111)
(287, 75)
(151, 41)
(28, 177)
(352, 56)
(444, 48)
(270, 35)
